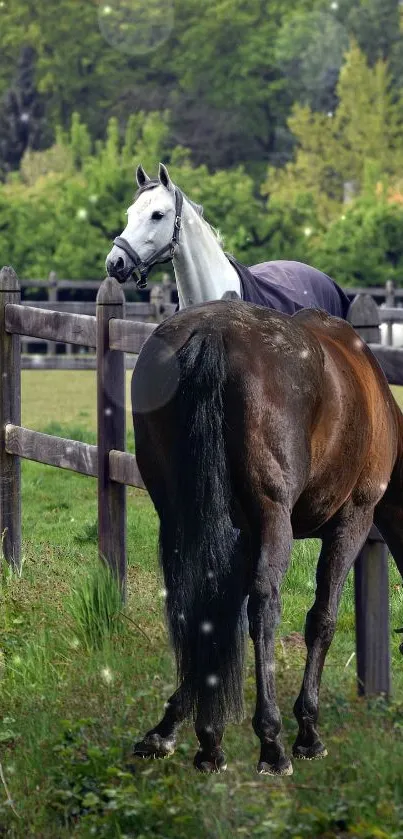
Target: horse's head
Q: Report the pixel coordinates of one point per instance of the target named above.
(152, 230)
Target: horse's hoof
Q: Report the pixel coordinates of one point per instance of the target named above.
(283, 768)
(210, 763)
(314, 752)
(154, 746)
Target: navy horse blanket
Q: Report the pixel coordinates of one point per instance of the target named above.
(290, 286)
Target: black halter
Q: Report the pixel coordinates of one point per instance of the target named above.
(144, 267)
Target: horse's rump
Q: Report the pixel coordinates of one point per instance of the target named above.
(303, 392)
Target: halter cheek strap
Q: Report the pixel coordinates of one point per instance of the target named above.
(144, 267)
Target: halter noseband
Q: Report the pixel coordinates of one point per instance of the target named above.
(144, 267)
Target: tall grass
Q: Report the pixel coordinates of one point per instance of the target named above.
(95, 607)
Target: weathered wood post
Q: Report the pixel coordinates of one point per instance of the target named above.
(166, 287)
(390, 302)
(371, 567)
(111, 431)
(390, 298)
(372, 617)
(157, 300)
(10, 412)
(52, 295)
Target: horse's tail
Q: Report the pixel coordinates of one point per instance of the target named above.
(202, 560)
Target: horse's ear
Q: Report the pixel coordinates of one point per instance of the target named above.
(141, 176)
(163, 175)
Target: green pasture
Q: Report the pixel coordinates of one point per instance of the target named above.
(79, 683)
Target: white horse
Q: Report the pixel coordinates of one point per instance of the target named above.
(165, 224)
(202, 270)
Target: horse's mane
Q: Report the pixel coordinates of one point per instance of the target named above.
(154, 182)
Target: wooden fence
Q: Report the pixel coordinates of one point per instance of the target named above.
(53, 285)
(159, 306)
(113, 336)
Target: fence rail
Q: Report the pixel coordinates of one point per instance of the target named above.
(108, 461)
(54, 284)
(66, 362)
(159, 306)
(113, 336)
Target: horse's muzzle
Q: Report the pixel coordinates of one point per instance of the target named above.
(116, 268)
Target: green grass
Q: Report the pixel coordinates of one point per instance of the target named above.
(78, 683)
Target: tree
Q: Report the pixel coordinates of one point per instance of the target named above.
(375, 26)
(214, 66)
(22, 117)
(310, 47)
(364, 246)
(78, 202)
(226, 57)
(333, 149)
(75, 68)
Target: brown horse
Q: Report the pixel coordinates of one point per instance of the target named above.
(253, 428)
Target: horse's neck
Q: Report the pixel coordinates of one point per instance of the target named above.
(202, 270)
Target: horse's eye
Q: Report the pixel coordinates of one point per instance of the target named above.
(157, 215)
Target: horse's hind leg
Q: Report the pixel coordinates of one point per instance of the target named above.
(341, 544)
(264, 615)
(161, 740)
(210, 756)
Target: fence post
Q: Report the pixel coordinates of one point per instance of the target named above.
(372, 617)
(390, 302)
(10, 412)
(52, 296)
(111, 431)
(390, 294)
(157, 300)
(371, 567)
(166, 287)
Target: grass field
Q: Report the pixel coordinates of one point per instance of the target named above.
(75, 694)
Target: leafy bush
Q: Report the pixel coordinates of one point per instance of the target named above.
(96, 790)
(364, 246)
(65, 206)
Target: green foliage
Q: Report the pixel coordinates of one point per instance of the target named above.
(22, 122)
(212, 98)
(310, 47)
(336, 148)
(73, 66)
(90, 785)
(96, 608)
(214, 65)
(78, 198)
(227, 71)
(364, 246)
(376, 26)
(80, 141)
